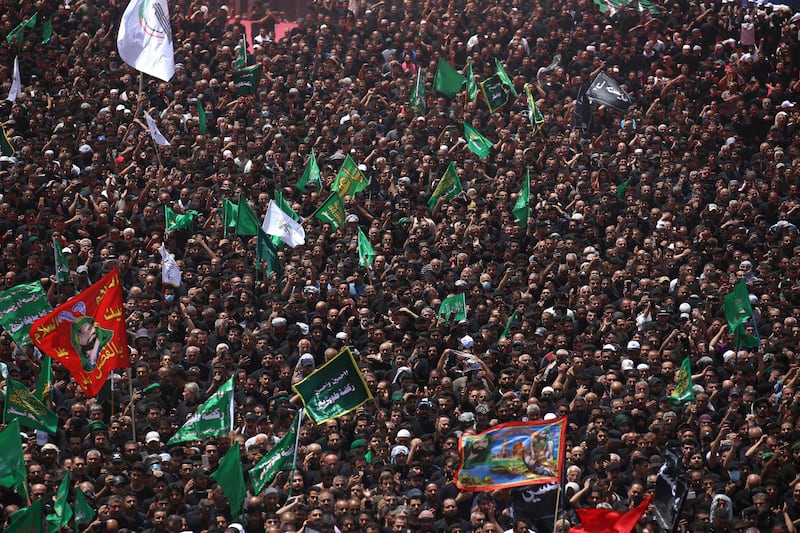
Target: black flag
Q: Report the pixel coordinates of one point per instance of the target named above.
(670, 493)
(583, 111)
(537, 504)
(605, 90)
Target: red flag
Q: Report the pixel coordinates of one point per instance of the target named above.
(605, 521)
(87, 333)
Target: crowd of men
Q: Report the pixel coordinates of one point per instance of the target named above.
(640, 224)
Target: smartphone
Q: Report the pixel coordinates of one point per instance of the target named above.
(205, 462)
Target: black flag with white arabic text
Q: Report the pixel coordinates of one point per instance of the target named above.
(605, 90)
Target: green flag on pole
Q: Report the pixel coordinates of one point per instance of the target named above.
(504, 77)
(453, 308)
(23, 405)
(21, 306)
(175, 221)
(449, 186)
(622, 186)
(47, 31)
(334, 389)
(472, 85)
(349, 179)
(12, 465)
(230, 211)
(311, 173)
(736, 305)
(213, 418)
(62, 511)
(84, 513)
(202, 121)
(266, 251)
(27, 520)
(230, 477)
(366, 253)
(534, 115)
(278, 458)
(331, 211)
(448, 80)
(18, 33)
(62, 266)
(522, 207)
(44, 385)
(683, 392)
(247, 222)
(494, 92)
(507, 329)
(241, 60)
(247, 79)
(477, 143)
(742, 339)
(285, 207)
(5, 144)
(418, 103)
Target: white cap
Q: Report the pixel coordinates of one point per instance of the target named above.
(633, 345)
(550, 416)
(404, 434)
(152, 436)
(627, 365)
(467, 341)
(306, 360)
(685, 308)
(642, 366)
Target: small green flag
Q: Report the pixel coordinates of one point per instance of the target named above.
(448, 80)
(453, 308)
(366, 253)
(684, 388)
(736, 305)
(201, 117)
(213, 418)
(62, 511)
(23, 405)
(230, 211)
(285, 207)
(311, 173)
(472, 85)
(504, 77)
(494, 92)
(5, 144)
(230, 477)
(44, 382)
(241, 60)
(534, 115)
(418, 103)
(27, 520)
(266, 251)
(247, 79)
(522, 207)
(742, 339)
(622, 186)
(349, 179)
(507, 329)
(47, 31)
(331, 211)
(12, 465)
(21, 306)
(449, 186)
(477, 143)
(279, 458)
(247, 222)
(174, 221)
(84, 513)
(18, 33)
(62, 266)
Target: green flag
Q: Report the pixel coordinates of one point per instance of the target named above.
(47, 31)
(62, 267)
(5, 144)
(266, 251)
(522, 207)
(448, 80)
(23, 405)
(247, 222)
(504, 77)
(736, 305)
(247, 79)
(18, 33)
(311, 173)
(62, 511)
(174, 221)
(453, 308)
(20, 306)
(472, 85)
(201, 117)
(534, 115)
(213, 418)
(507, 329)
(477, 143)
(334, 389)
(418, 103)
(27, 520)
(285, 207)
(449, 186)
(349, 179)
(12, 464)
(84, 513)
(366, 253)
(241, 60)
(230, 211)
(331, 211)
(44, 382)
(622, 186)
(742, 339)
(278, 458)
(494, 92)
(230, 477)
(684, 389)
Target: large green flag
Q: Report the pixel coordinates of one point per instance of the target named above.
(62, 511)
(311, 173)
(366, 253)
(449, 186)
(230, 477)
(331, 211)
(62, 267)
(477, 143)
(21, 306)
(18, 33)
(453, 308)
(448, 80)
(683, 392)
(230, 211)
(213, 418)
(44, 381)
(23, 405)
(349, 179)
(175, 221)
(472, 85)
(522, 207)
(507, 329)
(202, 120)
(247, 222)
(247, 79)
(418, 103)
(334, 389)
(27, 520)
(5, 145)
(12, 464)
(266, 251)
(736, 305)
(47, 31)
(504, 77)
(84, 513)
(534, 115)
(278, 458)
(494, 92)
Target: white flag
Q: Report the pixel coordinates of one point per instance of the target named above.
(170, 271)
(278, 223)
(16, 84)
(154, 133)
(144, 40)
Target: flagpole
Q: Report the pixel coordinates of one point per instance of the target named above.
(112, 394)
(133, 402)
(296, 444)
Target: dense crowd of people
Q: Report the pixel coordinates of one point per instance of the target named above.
(640, 224)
